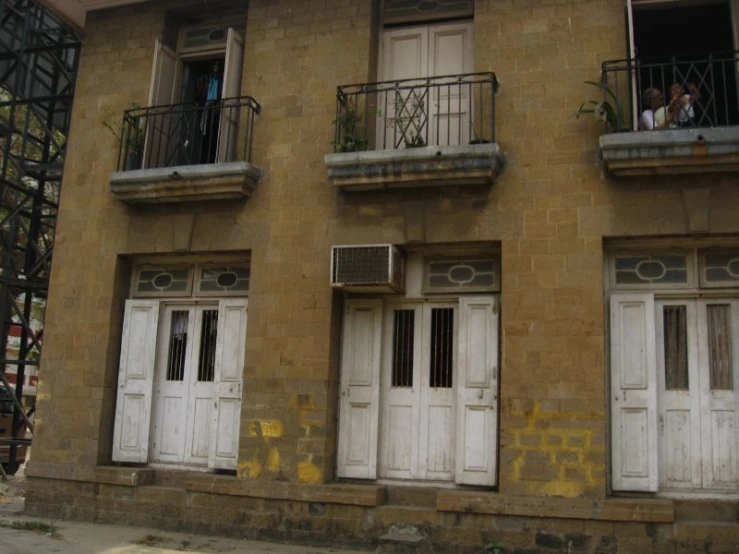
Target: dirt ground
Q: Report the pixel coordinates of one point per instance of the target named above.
(13, 491)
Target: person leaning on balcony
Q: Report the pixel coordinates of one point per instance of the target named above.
(653, 117)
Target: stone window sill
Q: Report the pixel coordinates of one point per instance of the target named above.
(428, 166)
(671, 151)
(187, 183)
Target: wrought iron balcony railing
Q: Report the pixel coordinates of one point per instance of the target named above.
(187, 134)
(687, 91)
(438, 111)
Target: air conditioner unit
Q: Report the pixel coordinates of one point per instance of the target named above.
(203, 38)
(369, 268)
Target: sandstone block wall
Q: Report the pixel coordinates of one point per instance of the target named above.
(549, 212)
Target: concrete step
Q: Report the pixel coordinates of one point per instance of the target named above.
(403, 540)
(411, 496)
(706, 510)
(169, 478)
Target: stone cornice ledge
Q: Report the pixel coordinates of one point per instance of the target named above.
(428, 166)
(657, 510)
(186, 183)
(671, 151)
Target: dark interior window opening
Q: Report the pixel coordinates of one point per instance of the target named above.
(691, 46)
(202, 88)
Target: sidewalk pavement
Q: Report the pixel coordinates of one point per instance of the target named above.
(92, 538)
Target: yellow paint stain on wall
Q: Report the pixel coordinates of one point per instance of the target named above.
(266, 428)
(308, 472)
(567, 489)
(251, 469)
(273, 460)
(566, 449)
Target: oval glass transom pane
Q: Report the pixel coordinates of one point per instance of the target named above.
(670, 269)
(459, 275)
(234, 280)
(163, 280)
(721, 267)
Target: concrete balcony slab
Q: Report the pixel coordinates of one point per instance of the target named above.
(428, 166)
(186, 183)
(671, 151)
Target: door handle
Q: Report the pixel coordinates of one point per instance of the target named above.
(480, 394)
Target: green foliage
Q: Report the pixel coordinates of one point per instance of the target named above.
(33, 526)
(134, 140)
(607, 109)
(493, 547)
(350, 137)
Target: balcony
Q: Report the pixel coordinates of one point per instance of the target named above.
(675, 116)
(187, 152)
(437, 131)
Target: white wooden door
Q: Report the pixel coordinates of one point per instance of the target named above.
(200, 381)
(417, 391)
(172, 383)
(400, 113)
(185, 376)
(360, 389)
(718, 331)
(436, 115)
(164, 90)
(135, 379)
(633, 398)
(228, 375)
(232, 71)
(437, 405)
(477, 391)
(679, 399)
(401, 396)
(450, 53)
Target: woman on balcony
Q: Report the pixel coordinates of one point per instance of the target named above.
(655, 116)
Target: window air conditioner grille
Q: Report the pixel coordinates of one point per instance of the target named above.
(373, 267)
(361, 265)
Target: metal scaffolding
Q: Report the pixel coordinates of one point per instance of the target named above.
(38, 68)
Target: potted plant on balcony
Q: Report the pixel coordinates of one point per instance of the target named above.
(132, 135)
(349, 138)
(607, 109)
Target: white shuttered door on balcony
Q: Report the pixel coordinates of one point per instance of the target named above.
(135, 380)
(450, 53)
(359, 404)
(477, 391)
(228, 135)
(439, 116)
(633, 392)
(164, 89)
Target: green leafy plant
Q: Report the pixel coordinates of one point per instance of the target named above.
(493, 547)
(349, 138)
(607, 109)
(132, 135)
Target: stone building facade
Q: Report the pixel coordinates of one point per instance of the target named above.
(567, 384)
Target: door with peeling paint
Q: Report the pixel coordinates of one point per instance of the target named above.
(417, 440)
(698, 368)
(184, 377)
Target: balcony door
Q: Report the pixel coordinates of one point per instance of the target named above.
(686, 42)
(414, 113)
(195, 111)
